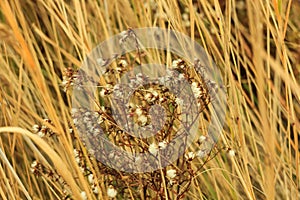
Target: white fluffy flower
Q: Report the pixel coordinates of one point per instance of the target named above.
(148, 97)
(91, 178)
(139, 78)
(100, 61)
(34, 164)
(162, 99)
(231, 153)
(189, 156)
(143, 120)
(202, 138)
(96, 114)
(100, 120)
(196, 90)
(155, 94)
(171, 173)
(123, 63)
(175, 63)
(111, 192)
(181, 77)
(74, 111)
(83, 195)
(102, 92)
(162, 144)
(201, 153)
(139, 111)
(153, 149)
(64, 82)
(35, 128)
(172, 181)
(178, 101)
(185, 16)
(75, 121)
(76, 154)
(41, 134)
(95, 189)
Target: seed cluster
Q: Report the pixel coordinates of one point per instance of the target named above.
(41, 170)
(43, 130)
(124, 113)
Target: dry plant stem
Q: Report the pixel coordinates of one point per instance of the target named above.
(59, 164)
(6, 161)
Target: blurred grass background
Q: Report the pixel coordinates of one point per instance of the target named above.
(256, 45)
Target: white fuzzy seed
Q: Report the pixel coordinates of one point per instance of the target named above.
(83, 195)
(231, 153)
(162, 144)
(202, 138)
(171, 173)
(111, 192)
(153, 149)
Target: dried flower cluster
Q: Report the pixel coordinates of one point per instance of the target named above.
(43, 130)
(41, 170)
(135, 101)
